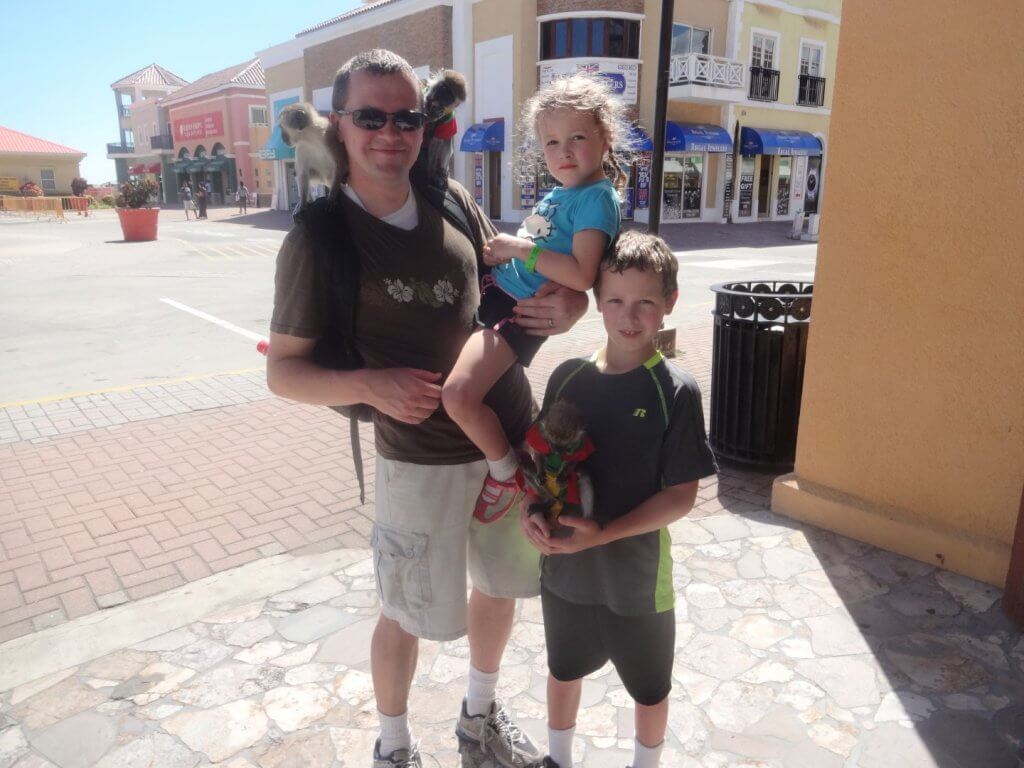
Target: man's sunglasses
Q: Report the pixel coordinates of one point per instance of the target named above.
(372, 119)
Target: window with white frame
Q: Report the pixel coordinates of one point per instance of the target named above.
(46, 180)
(811, 57)
(762, 51)
(257, 115)
(687, 39)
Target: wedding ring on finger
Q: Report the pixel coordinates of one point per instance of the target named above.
(551, 323)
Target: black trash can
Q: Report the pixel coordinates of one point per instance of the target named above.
(757, 371)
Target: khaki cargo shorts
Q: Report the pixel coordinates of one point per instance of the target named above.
(425, 536)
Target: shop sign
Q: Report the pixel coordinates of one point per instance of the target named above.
(199, 126)
(747, 187)
(622, 76)
(527, 194)
(9, 184)
(643, 180)
(478, 178)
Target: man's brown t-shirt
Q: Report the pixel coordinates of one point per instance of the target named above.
(418, 294)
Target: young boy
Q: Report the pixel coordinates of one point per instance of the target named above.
(607, 589)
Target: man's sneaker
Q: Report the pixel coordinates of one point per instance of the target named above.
(496, 499)
(400, 758)
(495, 733)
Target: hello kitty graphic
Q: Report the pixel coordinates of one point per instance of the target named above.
(538, 226)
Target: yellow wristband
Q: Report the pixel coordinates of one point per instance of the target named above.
(531, 260)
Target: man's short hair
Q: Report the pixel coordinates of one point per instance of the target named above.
(378, 61)
(639, 250)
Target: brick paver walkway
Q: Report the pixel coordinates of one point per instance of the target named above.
(196, 477)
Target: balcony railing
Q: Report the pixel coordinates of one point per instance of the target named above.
(764, 84)
(811, 91)
(124, 111)
(161, 142)
(120, 148)
(705, 70)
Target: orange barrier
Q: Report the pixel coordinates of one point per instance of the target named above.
(44, 206)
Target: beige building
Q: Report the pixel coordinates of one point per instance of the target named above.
(912, 424)
(145, 148)
(748, 105)
(25, 158)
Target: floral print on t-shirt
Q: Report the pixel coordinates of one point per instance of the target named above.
(437, 295)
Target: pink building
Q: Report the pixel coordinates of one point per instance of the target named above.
(217, 124)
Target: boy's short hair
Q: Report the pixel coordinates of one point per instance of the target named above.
(639, 250)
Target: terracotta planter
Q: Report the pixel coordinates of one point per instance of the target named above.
(138, 223)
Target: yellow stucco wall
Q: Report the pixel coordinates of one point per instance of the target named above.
(283, 77)
(792, 28)
(912, 428)
(27, 168)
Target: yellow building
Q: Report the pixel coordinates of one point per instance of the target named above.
(25, 158)
(737, 66)
(912, 423)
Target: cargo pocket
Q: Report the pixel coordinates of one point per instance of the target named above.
(403, 574)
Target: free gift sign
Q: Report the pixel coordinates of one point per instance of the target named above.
(199, 126)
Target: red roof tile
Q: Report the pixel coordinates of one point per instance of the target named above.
(248, 73)
(15, 142)
(154, 74)
(354, 12)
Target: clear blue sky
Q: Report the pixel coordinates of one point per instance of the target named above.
(61, 57)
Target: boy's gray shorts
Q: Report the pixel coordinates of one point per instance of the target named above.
(424, 537)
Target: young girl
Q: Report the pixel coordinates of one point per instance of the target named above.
(577, 121)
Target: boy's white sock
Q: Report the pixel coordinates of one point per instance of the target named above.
(394, 732)
(560, 746)
(480, 695)
(504, 469)
(646, 757)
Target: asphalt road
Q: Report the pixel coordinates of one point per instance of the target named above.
(81, 311)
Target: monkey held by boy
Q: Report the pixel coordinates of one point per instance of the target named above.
(553, 481)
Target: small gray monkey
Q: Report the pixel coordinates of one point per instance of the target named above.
(318, 155)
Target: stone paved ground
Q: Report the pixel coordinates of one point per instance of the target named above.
(111, 497)
(796, 648)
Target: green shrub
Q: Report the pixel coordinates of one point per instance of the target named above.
(138, 194)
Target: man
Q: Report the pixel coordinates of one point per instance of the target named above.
(243, 197)
(418, 294)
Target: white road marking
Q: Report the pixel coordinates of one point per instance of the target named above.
(215, 320)
(732, 263)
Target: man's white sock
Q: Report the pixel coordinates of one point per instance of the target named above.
(394, 732)
(560, 746)
(504, 469)
(480, 695)
(646, 757)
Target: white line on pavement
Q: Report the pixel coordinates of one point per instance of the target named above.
(215, 320)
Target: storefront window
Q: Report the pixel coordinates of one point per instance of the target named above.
(782, 199)
(580, 37)
(672, 190)
(693, 173)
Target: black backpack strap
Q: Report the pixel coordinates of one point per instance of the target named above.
(338, 264)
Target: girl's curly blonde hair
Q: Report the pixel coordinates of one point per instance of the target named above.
(582, 92)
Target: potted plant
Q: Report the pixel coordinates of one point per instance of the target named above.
(135, 209)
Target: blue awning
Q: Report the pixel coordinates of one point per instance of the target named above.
(484, 137)
(696, 137)
(276, 149)
(637, 140)
(770, 141)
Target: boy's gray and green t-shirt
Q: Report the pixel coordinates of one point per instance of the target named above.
(648, 429)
